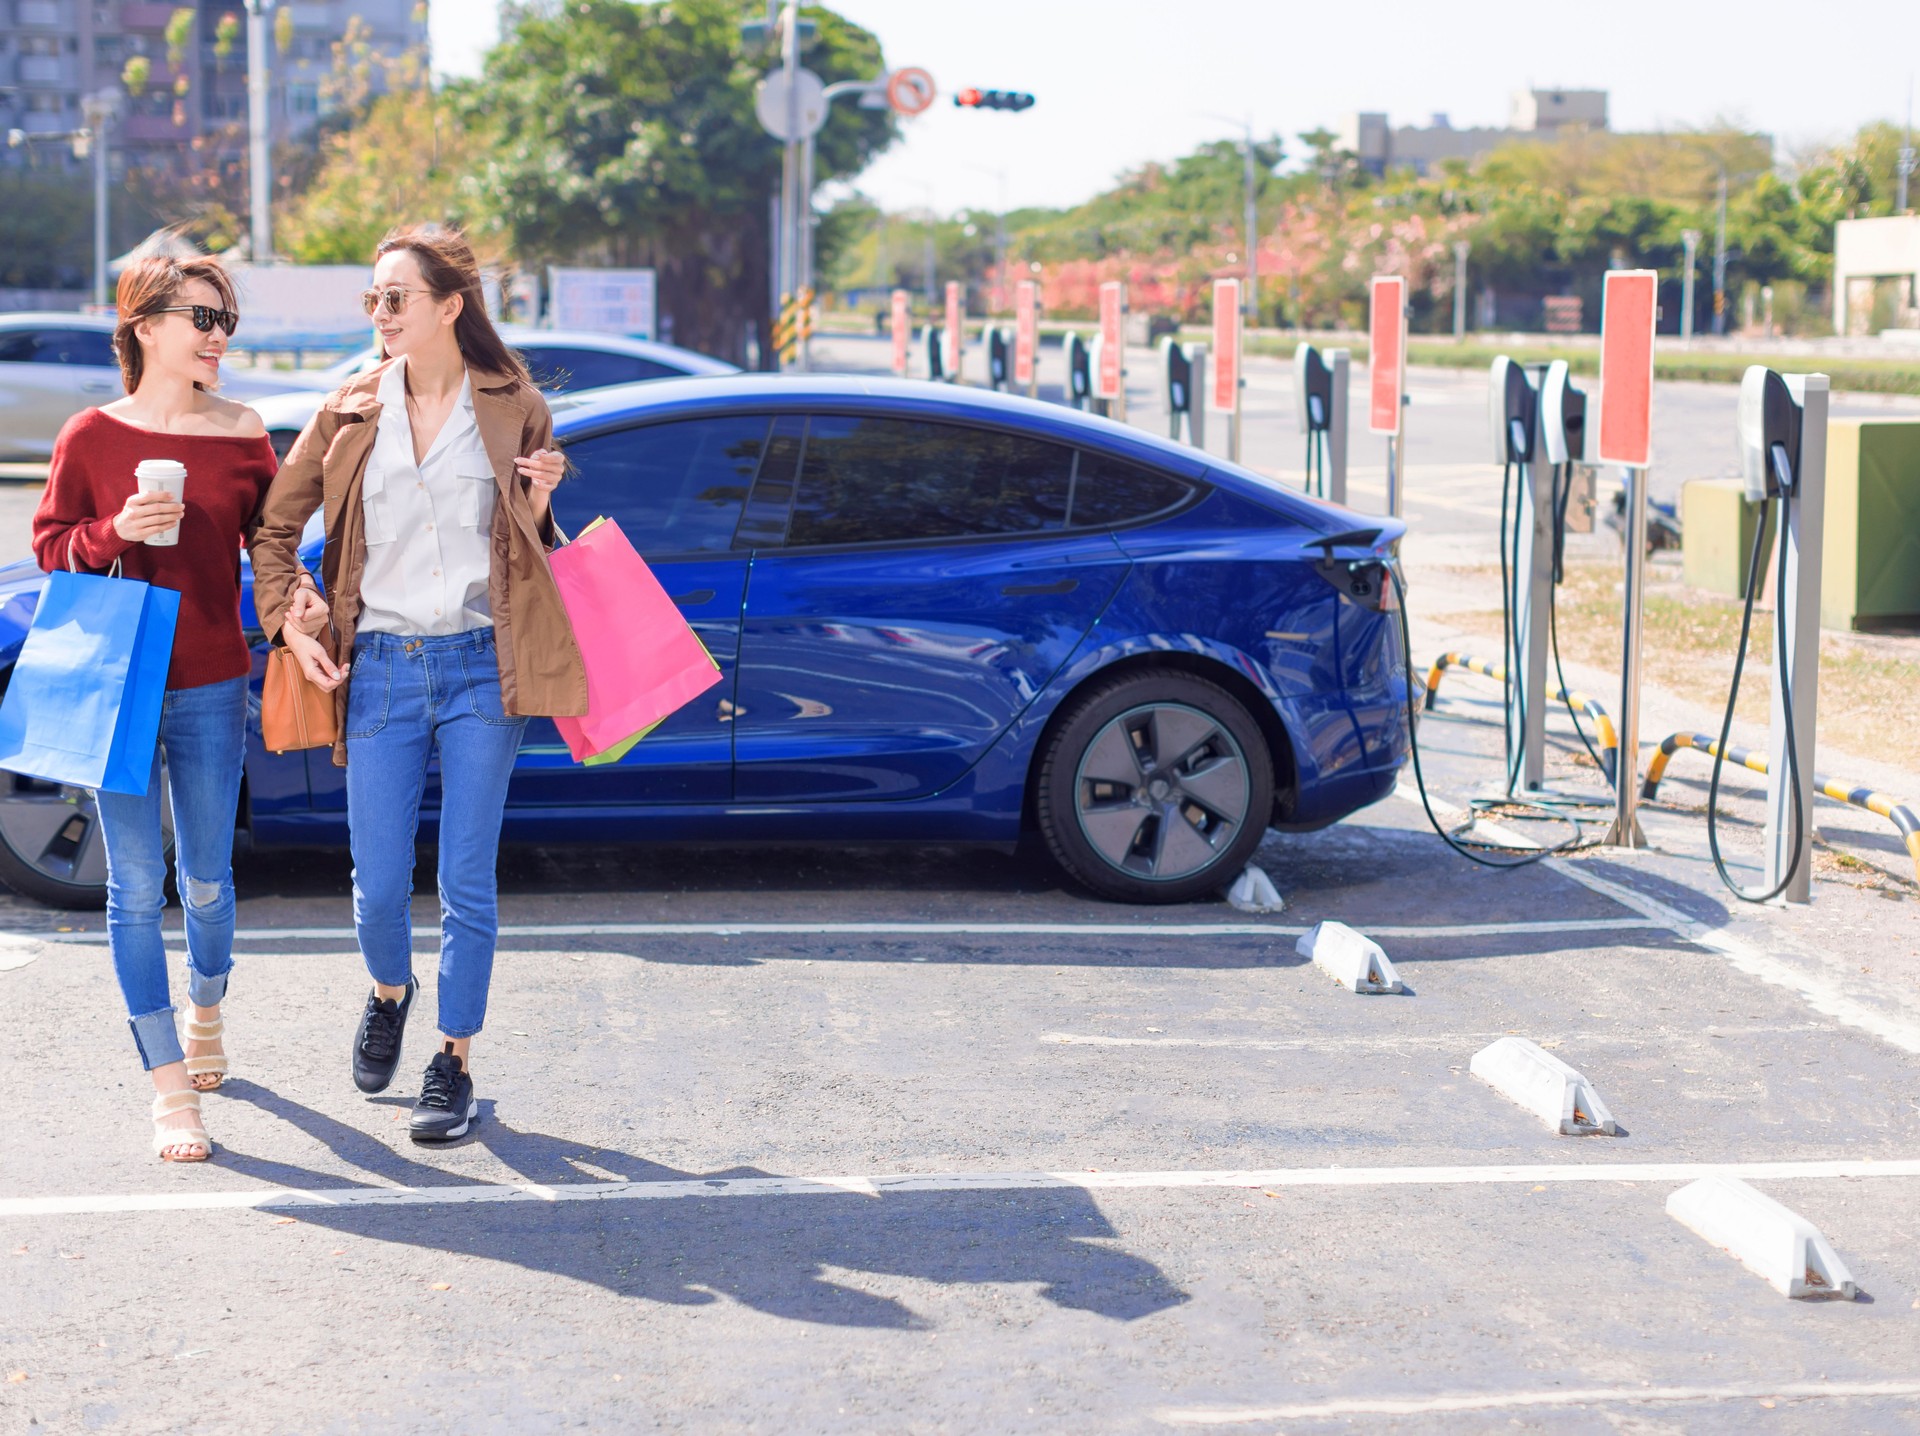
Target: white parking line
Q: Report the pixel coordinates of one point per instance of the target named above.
(1521, 1400)
(925, 929)
(1444, 1041)
(895, 1184)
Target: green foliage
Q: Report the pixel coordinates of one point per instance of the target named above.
(46, 227)
(625, 133)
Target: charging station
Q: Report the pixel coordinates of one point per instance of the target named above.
(999, 357)
(1526, 564)
(1184, 369)
(1320, 408)
(935, 342)
(1782, 431)
(1079, 370)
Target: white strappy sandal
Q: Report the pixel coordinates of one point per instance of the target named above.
(165, 1139)
(212, 1065)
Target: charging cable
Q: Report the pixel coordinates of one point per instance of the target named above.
(1754, 563)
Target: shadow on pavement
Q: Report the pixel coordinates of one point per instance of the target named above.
(769, 1253)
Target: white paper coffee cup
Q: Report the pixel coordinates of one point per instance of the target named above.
(162, 475)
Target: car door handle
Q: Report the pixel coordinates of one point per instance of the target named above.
(1037, 590)
(698, 595)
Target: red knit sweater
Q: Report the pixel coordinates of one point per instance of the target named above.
(227, 479)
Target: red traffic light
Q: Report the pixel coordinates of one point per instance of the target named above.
(973, 99)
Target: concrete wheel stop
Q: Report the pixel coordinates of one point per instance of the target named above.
(1349, 958)
(1773, 1242)
(1559, 1095)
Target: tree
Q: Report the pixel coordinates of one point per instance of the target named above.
(625, 134)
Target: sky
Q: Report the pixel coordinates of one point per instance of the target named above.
(1122, 82)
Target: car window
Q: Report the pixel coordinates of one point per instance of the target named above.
(871, 480)
(673, 488)
(562, 369)
(76, 346)
(1108, 492)
(17, 347)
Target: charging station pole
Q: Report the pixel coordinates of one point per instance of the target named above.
(1341, 362)
(1532, 581)
(1628, 311)
(1387, 378)
(1802, 531)
(1026, 337)
(1110, 364)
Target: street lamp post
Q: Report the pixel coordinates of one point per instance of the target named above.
(1461, 249)
(1691, 239)
(259, 134)
(98, 111)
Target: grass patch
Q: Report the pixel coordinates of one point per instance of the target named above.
(1867, 686)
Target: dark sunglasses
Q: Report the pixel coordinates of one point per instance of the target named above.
(205, 316)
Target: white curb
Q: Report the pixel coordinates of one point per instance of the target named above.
(1771, 1241)
(1349, 958)
(1543, 1084)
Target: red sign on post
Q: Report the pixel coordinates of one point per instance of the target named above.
(900, 326)
(1386, 353)
(1628, 309)
(953, 331)
(1225, 395)
(1113, 338)
(1026, 329)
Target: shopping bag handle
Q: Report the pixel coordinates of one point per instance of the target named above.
(73, 567)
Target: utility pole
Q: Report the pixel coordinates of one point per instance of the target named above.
(1720, 258)
(1905, 166)
(259, 133)
(99, 112)
(1461, 249)
(1691, 239)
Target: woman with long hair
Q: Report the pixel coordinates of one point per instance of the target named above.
(436, 476)
(175, 317)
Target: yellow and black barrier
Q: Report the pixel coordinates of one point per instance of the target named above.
(793, 326)
(1606, 739)
(1901, 815)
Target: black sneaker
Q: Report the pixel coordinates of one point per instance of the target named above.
(446, 1107)
(376, 1045)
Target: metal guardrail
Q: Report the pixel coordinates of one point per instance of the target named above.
(1901, 815)
(1607, 740)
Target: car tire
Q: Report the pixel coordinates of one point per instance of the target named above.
(1155, 787)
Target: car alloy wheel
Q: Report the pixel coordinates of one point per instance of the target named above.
(1162, 791)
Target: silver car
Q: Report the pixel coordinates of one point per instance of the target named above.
(54, 365)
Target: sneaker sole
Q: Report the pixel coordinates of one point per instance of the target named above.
(428, 1138)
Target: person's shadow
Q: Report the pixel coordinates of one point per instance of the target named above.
(772, 1253)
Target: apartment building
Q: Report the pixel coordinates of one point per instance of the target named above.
(55, 52)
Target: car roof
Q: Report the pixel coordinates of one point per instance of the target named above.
(49, 318)
(591, 411)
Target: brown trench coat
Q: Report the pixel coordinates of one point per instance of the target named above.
(540, 668)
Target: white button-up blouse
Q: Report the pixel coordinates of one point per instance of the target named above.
(427, 524)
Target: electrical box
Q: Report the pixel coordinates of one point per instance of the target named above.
(1870, 564)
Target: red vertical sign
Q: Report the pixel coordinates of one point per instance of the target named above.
(900, 326)
(1026, 329)
(1627, 313)
(1386, 353)
(1225, 398)
(1113, 338)
(953, 330)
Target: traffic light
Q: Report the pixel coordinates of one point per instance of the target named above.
(972, 99)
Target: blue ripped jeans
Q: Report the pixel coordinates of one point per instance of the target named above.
(410, 696)
(203, 735)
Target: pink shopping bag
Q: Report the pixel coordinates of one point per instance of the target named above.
(643, 661)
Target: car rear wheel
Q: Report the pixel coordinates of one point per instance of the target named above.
(51, 846)
(1155, 788)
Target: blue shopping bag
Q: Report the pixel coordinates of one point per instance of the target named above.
(83, 704)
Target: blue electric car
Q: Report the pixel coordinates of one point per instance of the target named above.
(941, 615)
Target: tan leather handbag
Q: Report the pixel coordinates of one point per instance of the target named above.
(293, 712)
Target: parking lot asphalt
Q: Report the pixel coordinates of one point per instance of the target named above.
(924, 1140)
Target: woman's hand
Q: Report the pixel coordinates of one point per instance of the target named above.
(308, 612)
(544, 468)
(147, 514)
(319, 668)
